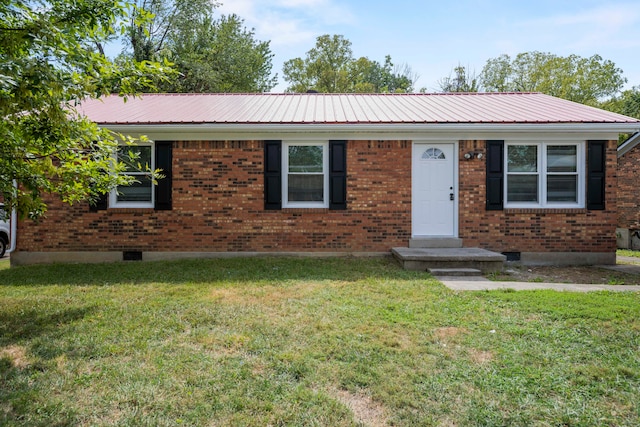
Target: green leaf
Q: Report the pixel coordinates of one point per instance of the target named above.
(49, 65)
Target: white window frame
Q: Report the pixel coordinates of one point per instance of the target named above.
(542, 175)
(113, 196)
(285, 175)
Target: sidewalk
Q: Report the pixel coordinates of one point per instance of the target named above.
(476, 283)
(628, 259)
(482, 284)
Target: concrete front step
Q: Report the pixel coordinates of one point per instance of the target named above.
(457, 272)
(421, 259)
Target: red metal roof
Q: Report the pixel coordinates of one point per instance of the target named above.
(268, 108)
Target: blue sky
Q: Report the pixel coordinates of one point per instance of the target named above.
(434, 37)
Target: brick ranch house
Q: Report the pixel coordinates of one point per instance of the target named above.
(524, 174)
(628, 232)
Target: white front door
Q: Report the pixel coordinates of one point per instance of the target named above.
(433, 204)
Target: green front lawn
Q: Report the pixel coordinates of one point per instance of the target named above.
(342, 342)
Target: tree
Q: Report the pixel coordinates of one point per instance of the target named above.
(49, 64)
(325, 68)
(497, 75)
(152, 22)
(372, 77)
(584, 80)
(220, 56)
(330, 67)
(460, 81)
(212, 55)
(628, 103)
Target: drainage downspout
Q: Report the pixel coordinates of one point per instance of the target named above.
(14, 225)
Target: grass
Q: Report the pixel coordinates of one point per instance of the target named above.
(300, 342)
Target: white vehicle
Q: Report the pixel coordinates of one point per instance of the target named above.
(4, 230)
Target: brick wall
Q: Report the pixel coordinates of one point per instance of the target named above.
(628, 192)
(532, 230)
(218, 205)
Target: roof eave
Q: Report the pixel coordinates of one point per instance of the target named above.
(374, 127)
(629, 144)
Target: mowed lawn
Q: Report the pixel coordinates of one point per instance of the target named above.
(307, 342)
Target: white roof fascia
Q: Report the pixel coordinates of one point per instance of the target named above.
(248, 132)
(628, 144)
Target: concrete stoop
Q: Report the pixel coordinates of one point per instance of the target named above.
(423, 259)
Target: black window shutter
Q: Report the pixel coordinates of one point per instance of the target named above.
(338, 175)
(495, 175)
(272, 175)
(596, 162)
(164, 162)
(100, 204)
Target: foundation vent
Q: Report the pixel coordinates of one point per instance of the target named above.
(132, 256)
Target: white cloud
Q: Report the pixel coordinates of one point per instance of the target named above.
(290, 22)
(327, 12)
(285, 31)
(291, 26)
(242, 8)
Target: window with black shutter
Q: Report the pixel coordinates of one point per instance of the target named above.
(140, 160)
(305, 174)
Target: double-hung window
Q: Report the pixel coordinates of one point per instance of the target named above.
(305, 182)
(139, 162)
(544, 174)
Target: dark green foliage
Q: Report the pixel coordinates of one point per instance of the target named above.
(51, 60)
